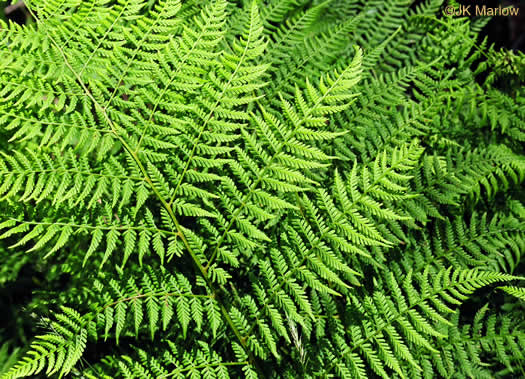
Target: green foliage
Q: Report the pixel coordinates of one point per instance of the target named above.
(8, 358)
(259, 188)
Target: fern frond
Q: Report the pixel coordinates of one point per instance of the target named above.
(488, 341)
(494, 244)
(392, 323)
(174, 361)
(259, 188)
(517, 292)
(58, 351)
(8, 357)
(153, 303)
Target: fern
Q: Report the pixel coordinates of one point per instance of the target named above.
(514, 291)
(8, 357)
(259, 188)
(482, 347)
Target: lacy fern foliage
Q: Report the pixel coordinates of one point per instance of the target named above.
(260, 189)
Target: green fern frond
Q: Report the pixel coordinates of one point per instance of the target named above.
(494, 244)
(259, 188)
(517, 292)
(470, 350)
(174, 362)
(8, 357)
(58, 351)
(392, 323)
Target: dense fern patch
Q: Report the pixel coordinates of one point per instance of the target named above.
(260, 188)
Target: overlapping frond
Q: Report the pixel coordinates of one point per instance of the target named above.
(153, 303)
(174, 361)
(470, 350)
(494, 244)
(259, 188)
(392, 324)
(517, 292)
